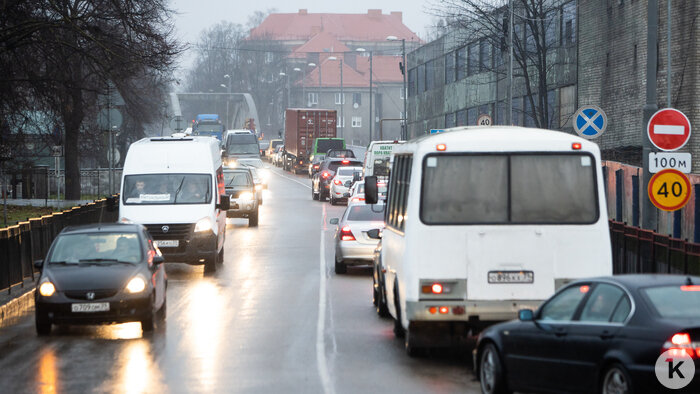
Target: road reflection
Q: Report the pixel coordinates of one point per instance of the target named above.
(47, 376)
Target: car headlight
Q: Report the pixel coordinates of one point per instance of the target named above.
(258, 187)
(203, 224)
(246, 196)
(47, 289)
(136, 285)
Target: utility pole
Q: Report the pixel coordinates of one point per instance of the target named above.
(648, 210)
(404, 128)
(509, 113)
(342, 101)
(668, 54)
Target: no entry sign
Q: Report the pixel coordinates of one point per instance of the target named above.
(668, 129)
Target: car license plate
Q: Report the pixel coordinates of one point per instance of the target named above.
(511, 277)
(90, 307)
(167, 244)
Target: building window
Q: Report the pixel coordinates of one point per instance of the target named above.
(312, 99)
(461, 62)
(269, 57)
(356, 99)
(339, 99)
(550, 28)
(569, 23)
(485, 56)
(450, 120)
(412, 82)
(567, 102)
(450, 67)
(341, 122)
(473, 59)
(356, 121)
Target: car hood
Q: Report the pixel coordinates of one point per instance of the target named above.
(92, 277)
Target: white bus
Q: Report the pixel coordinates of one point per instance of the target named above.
(378, 157)
(484, 221)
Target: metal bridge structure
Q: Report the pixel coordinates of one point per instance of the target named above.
(233, 108)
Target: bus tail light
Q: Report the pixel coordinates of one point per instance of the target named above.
(576, 146)
(435, 288)
(441, 147)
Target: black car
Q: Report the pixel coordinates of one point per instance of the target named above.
(240, 187)
(321, 181)
(102, 273)
(599, 335)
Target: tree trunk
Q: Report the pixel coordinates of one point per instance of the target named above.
(73, 115)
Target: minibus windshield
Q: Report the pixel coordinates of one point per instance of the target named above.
(510, 188)
(163, 189)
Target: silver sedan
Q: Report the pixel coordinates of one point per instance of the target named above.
(353, 246)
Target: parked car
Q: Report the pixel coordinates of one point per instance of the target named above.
(101, 273)
(353, 245)
(321, 181)
(240, 188)
(341, 183)
(594, 335)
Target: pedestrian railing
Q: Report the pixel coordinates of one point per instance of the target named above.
(643, 251)
(27, 241)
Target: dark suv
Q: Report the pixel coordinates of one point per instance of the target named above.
(321, 181)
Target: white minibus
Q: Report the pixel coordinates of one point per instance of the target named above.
(377, 158)
(484, 221)
(175, 187)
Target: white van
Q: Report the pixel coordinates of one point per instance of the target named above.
(377, 158)
(175, 187)
(484, 221)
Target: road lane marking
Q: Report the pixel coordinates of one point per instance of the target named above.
(321, 362)
(291, 179)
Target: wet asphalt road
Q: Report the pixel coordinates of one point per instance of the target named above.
(273, 319)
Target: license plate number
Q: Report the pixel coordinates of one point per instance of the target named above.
(90, 307)
(511, 277)
(167, 244)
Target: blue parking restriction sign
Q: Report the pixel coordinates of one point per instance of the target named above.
(590, 121)
(435, 131)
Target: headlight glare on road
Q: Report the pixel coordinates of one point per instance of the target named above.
(136, 285)
(246, 196)
(47, 289)
(203, 224)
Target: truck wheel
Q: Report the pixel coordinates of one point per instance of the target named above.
(253, 219)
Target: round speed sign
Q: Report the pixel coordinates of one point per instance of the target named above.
(669, 190)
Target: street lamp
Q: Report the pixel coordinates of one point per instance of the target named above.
(371, 119)
(403, 72)
(226, 76)
(342, 96)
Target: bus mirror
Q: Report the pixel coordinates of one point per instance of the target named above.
(371, 193)
(224, 203)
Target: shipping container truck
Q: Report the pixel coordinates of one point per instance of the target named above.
(301, 128)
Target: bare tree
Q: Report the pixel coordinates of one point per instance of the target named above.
(537, 48)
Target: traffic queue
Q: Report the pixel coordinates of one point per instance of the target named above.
(176, 195)
(480, 226)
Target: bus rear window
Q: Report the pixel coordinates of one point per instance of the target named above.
(324, 146)
(509, 189)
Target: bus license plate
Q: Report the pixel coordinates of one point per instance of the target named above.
(91, 307)
(511, 277)
(167, 244)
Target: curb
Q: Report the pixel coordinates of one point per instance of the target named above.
(16, 307)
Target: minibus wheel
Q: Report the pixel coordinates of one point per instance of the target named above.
(398, 328)
(210, 264)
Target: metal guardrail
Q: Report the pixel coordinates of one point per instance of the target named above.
(25, 242)
(643, 251)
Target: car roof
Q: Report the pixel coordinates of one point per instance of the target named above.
(647, 280)
(103, 228)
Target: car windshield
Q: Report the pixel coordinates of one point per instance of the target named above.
(97, 248)
(159, 189)
(675, 301)
(234, 179)
(242, 144)
(366, 213)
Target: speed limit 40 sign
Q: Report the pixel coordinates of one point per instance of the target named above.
(669, 190)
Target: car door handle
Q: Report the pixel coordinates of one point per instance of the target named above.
(560, 332)
(606, 335)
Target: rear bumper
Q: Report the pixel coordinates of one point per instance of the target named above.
(355, 251)
(474, 311)
(241, 209)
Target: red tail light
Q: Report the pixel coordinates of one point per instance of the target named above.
(338, 182)
(358, 199)
(346, 161)
(681, 341)
(316, 167)
(325, 174)
(346, 234)
(576, 146)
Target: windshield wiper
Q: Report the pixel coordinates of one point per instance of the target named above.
(104, 261)
(63, 262)
(177, 192)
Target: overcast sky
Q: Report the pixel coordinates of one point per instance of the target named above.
(195, 15)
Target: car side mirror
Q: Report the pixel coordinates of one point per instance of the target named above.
(224, 203)
(526, 315)
(334, 221)
(157, 259)
(346, 195)
(38, 264)
(375, 233)
(371, 190)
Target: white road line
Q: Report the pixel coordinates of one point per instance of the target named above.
(321, 362)
(291, 179)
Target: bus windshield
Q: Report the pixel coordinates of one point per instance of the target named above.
(509, 189)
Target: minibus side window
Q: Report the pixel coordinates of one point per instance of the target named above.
(398, 192)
